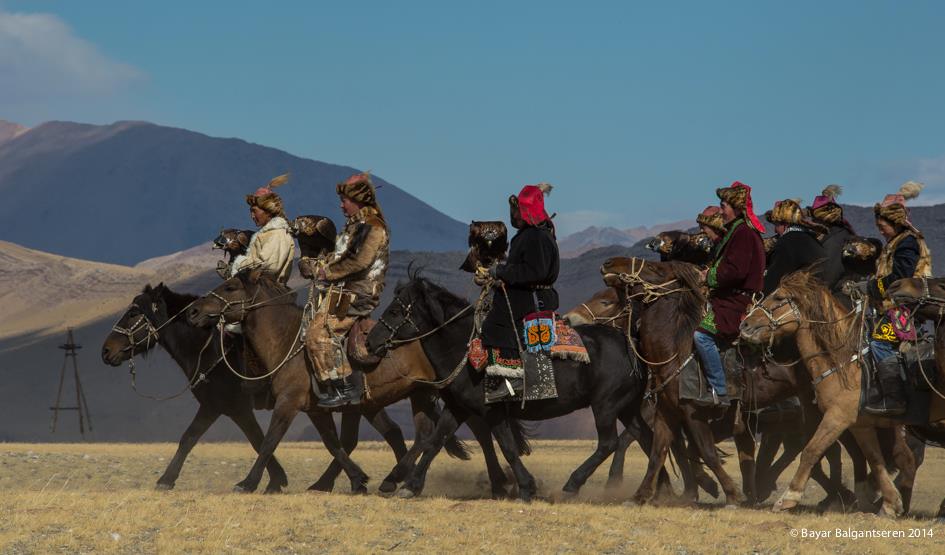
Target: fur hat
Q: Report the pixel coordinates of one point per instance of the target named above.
(711, 217)
(266, 199)
(825, 207)
(893, 208)
(359, 188)
(789, 212)
(738, 196)
(531, 203)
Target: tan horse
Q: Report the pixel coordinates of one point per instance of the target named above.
(828, 338)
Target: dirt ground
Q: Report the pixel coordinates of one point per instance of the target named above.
(78, 498)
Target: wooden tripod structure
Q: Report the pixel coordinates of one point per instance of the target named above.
(81, 405)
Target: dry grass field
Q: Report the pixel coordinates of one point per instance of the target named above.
(78, 498)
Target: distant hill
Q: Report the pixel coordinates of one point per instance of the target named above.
(595, 237)
(130, 191)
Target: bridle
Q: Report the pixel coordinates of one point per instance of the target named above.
(395, 329)
(605, 320)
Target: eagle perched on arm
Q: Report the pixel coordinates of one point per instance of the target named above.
(488, 242)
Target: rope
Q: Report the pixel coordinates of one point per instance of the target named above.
(195, 380)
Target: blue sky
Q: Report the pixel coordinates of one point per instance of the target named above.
(636, 112)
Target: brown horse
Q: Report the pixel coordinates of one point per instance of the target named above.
(829, 340)
(271, 325)
(605, 307)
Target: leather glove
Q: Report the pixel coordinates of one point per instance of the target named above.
(223, 269)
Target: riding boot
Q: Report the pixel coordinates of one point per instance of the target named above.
(894, 393)
(342, 394)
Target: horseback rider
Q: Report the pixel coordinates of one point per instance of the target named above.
(736, 274)
(354, 278)
(826, 211)
(905, 255)
(712, 223)
(797, 246)
(528, 276)
(271, 248)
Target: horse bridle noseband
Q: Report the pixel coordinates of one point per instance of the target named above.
(775, 323)
(142, 322)
(395, 329)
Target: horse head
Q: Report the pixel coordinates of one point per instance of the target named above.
(418, 306)
(637, 278)
(800, 301)
(227, 302)
(136, 330)
(604, 305)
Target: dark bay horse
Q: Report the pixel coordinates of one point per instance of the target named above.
(271, 324)
(611, 384)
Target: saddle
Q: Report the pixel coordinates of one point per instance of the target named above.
(357, 340)
(918, 370)
(693, 385)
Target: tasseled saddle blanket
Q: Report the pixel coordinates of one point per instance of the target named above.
(557, 338)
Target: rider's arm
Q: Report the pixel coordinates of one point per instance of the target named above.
(534, 264)
(730, 272)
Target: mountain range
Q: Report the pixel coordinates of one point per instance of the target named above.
(129, 191)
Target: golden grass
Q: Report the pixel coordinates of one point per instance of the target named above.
(99, 498)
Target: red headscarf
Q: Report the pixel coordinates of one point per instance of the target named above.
(531, 203)
(753, 220)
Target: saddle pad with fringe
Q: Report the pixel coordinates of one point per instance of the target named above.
(694, 386)
(569, 344)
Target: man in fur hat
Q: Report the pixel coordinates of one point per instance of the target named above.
(528, 273)
(736, 274)
(712, 223)
(797, 247)
(354, 276)
(827, 212)
(271, 248)
(905, 255)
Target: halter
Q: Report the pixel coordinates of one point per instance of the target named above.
(131, 331)
(775, 323)
(394, 330)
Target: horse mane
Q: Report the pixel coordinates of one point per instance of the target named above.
(686, 306)
(175, 301)
(434, 291)
(816, 303)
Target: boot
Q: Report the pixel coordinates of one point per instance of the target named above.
(341, 394)
(893, 401)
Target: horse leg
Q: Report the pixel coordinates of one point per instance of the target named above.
(906, 463)
(624, 441)
(864, 492)
(350, 422)
(424, 420)
(645, 436)
(202, 421)
(246, 421)
(606, 423)
(503, 435)
(662, 438)
(325, 425)
(833, 423)
(282, 417)
(430, 446)
(700, 433)
(765, 477)
(868, 441)
(497, 477)
(745, 444)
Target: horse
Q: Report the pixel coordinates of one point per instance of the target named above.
(665, 326)
(151, 320)
(829, 339)
(611, 384)
(272, 324)
(606, 308)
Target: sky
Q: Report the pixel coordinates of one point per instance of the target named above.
(635, 111)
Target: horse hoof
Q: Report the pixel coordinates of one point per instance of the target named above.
(239, 488)
(387, 487)
(567, 495)
(272, 489)
(499, 494)
(162, 486)
(360, 490)
(405, 493)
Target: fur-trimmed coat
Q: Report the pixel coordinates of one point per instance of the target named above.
(361, 258)
(736, 274)
(906, 255)
(271, 248)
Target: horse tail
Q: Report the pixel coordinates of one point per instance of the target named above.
(456, 448)
(522, 433)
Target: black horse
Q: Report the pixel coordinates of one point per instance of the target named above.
(612, 384)
(220, 393)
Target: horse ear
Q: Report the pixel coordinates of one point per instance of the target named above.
(254, 275)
